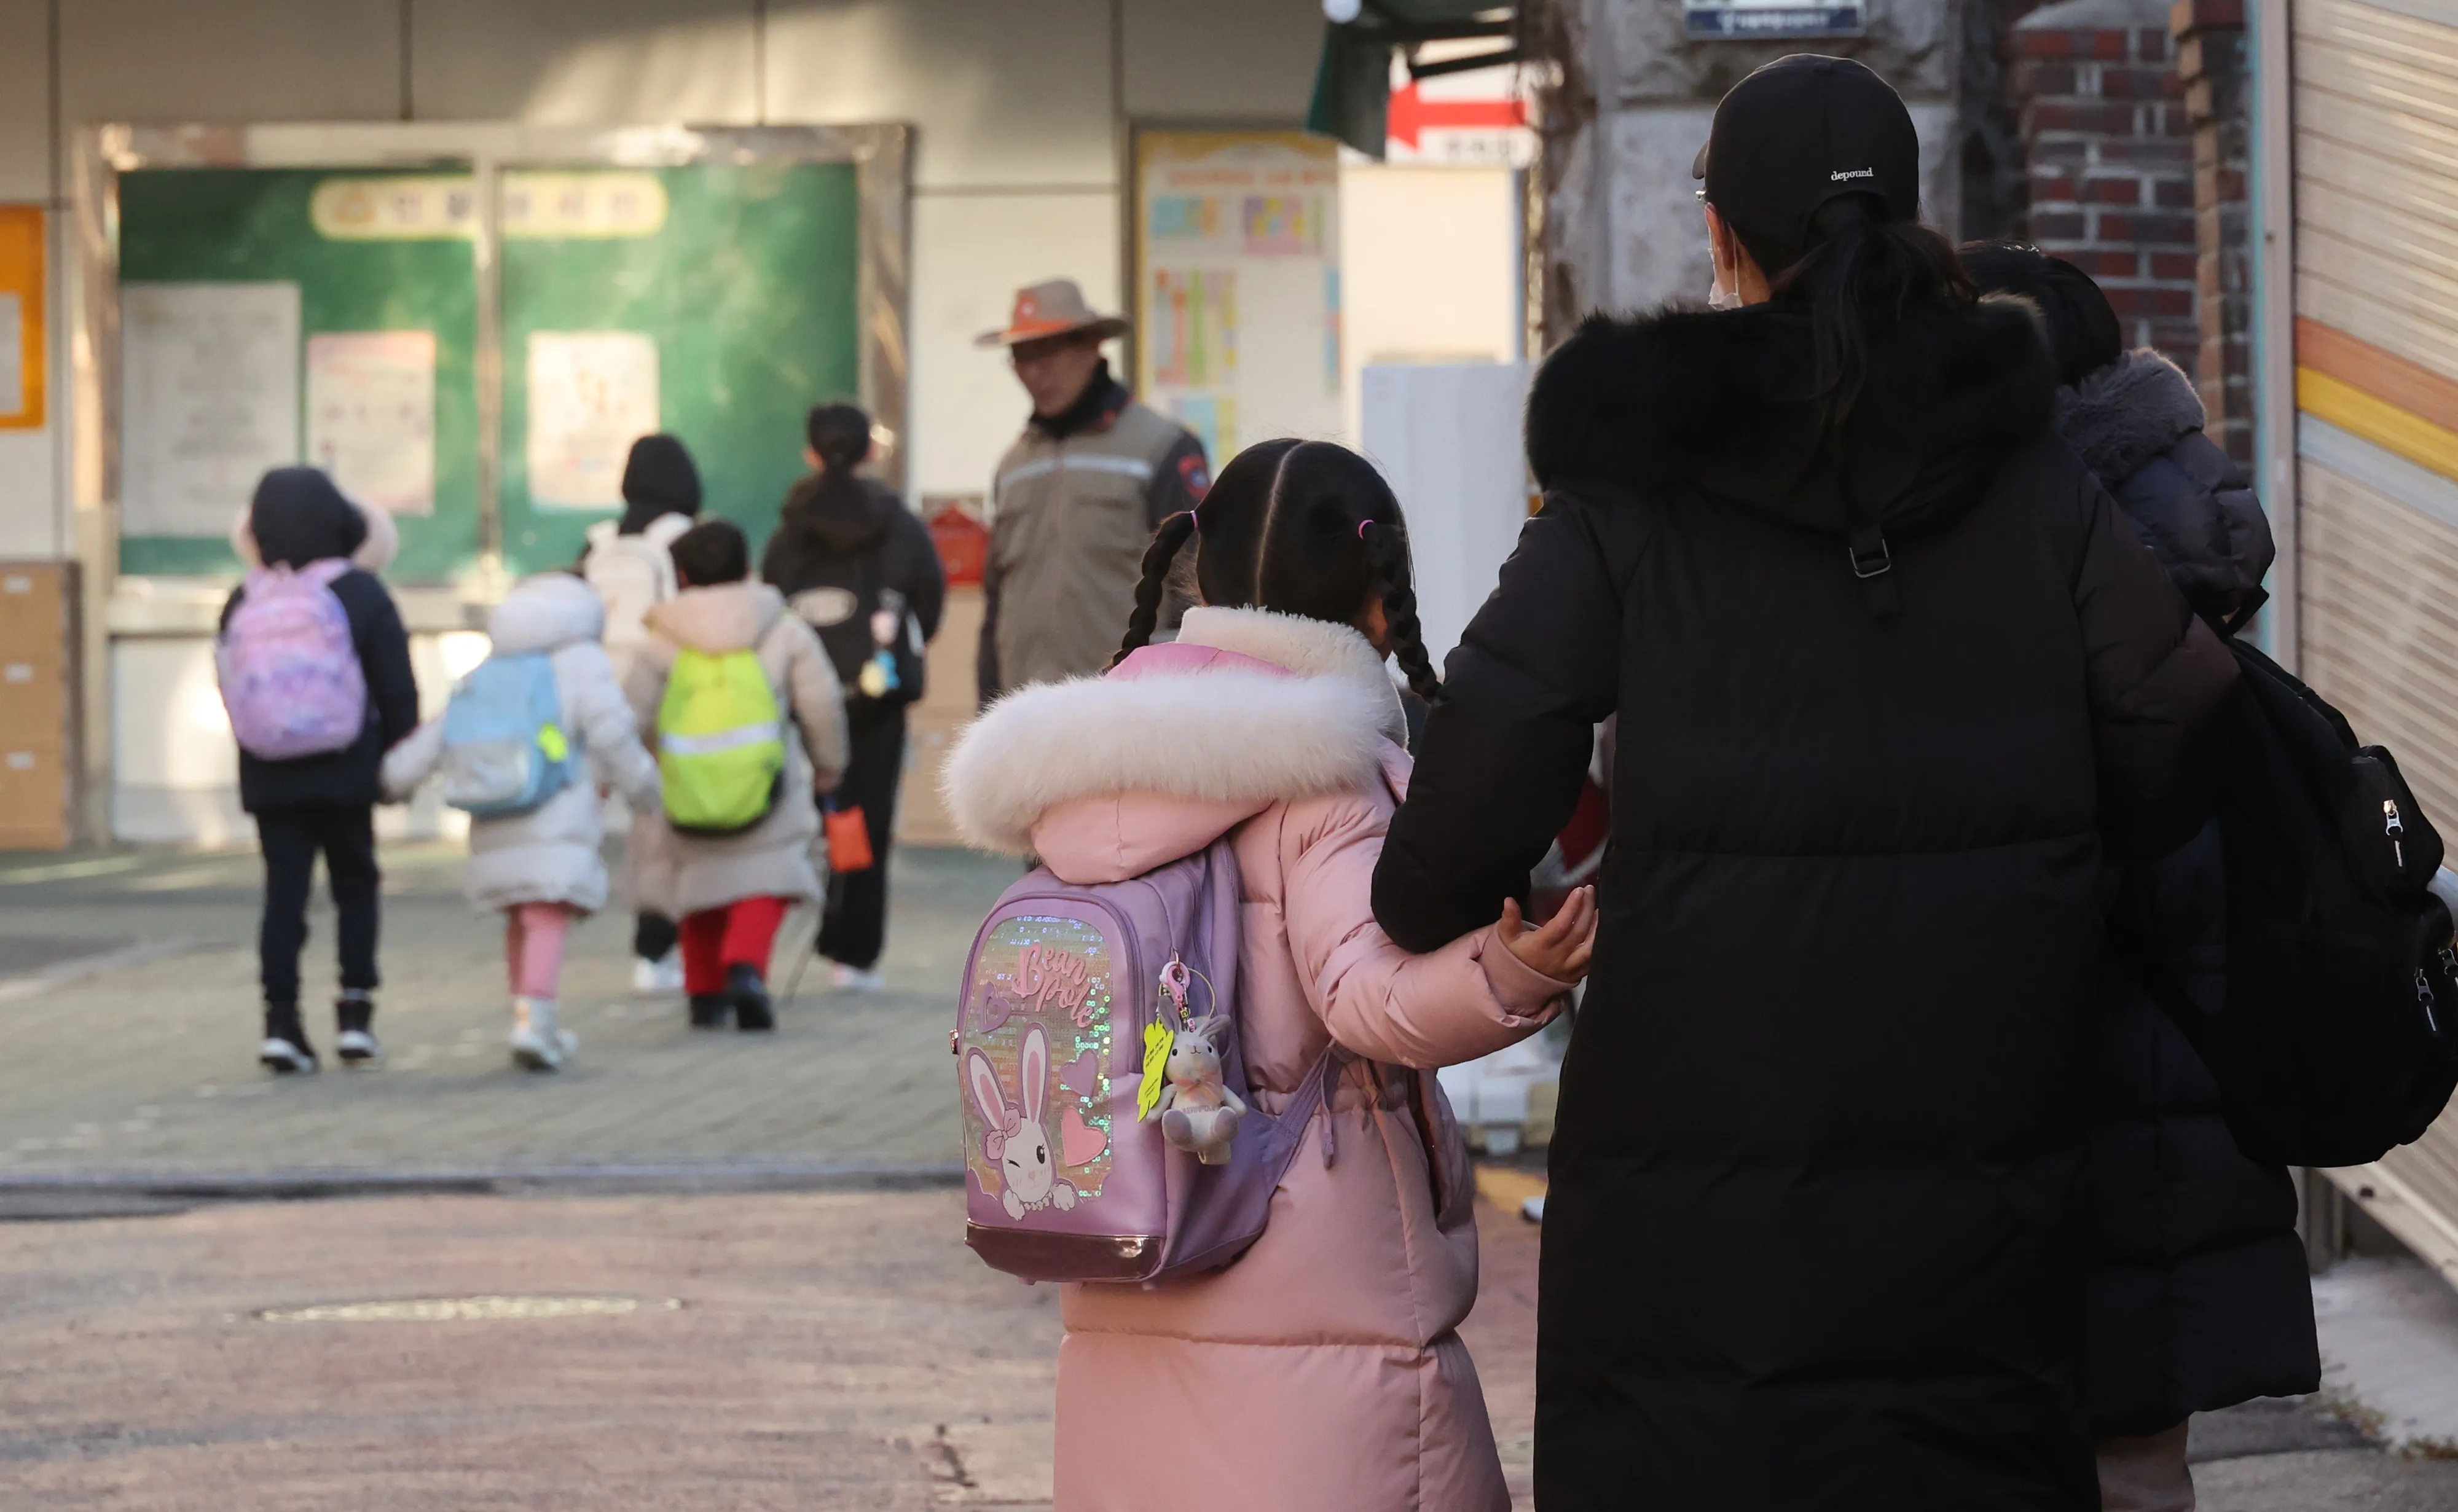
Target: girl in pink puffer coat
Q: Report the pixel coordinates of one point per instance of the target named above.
(1324, 1369)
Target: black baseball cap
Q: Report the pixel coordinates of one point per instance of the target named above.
(1800, 132)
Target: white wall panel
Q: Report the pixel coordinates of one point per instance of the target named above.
(970, 254)
(25, 100)
(1207, 60)
(1430, 269)
(28, 508)
(230, 60)
(583, 62)
(1003, 92)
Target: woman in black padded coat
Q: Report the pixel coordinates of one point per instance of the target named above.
(1884, 655)
(860, 569)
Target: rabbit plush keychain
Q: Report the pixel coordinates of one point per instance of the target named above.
(1198, 1111)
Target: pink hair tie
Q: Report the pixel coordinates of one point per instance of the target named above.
(1360, 529)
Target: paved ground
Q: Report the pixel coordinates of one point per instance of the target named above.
(734, 1352)
(812, 1348)
(147, 1065)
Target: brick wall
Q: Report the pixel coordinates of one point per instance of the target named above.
(2111, 160)
(2211, 61)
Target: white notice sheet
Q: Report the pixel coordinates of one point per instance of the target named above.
(12, 359)
(591, 394)
(371, 415)
(209, 400)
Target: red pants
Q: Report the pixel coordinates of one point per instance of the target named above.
(718, 940)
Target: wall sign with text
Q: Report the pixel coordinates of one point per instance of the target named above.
(1753, 20)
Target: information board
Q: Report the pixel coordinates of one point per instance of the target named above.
(219, 231)
(1237, 283)
(24, 290)
(720, 312)
(717, 301)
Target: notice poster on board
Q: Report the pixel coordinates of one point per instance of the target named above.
(1237, 283)
(371, 415)
(590, 395)
(209, 400)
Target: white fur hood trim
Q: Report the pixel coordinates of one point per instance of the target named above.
(1230, 735)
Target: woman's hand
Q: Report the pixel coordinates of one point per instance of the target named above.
(1560, 946)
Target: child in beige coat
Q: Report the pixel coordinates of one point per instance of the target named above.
(729, 892)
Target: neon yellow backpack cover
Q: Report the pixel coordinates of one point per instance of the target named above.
(720, 742)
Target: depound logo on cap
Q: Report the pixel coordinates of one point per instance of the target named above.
(1841, 174)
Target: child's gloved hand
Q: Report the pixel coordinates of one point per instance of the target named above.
(1560, 946)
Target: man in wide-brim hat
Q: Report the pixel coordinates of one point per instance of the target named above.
(1077, 498)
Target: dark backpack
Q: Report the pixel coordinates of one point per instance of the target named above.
(2336, 1043)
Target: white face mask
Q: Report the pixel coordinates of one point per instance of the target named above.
(1718, 296)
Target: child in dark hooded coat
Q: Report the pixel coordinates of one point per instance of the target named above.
(325, 802)
(2199, 1293)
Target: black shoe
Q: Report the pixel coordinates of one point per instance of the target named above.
(708, 1009)
(355, 1040)
(752, 1011)
(285, 1049)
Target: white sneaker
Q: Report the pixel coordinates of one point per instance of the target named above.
(853, 979)
(356, 1047)
(538, 1044)
(663, 977)
(280, 1055)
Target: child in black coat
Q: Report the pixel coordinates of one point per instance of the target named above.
(2198, 1292)
(325, 802)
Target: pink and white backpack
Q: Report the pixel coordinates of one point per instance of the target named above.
(289, 673)
(1074, 999)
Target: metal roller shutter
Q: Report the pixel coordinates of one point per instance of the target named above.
(2376, 295)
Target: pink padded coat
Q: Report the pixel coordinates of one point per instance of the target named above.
(1322, 1370)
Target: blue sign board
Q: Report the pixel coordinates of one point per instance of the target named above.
(1750, 20)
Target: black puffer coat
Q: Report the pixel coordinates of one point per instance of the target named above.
(298, 516)
(1816, 1237)
(2199, 1293)
(831, 559)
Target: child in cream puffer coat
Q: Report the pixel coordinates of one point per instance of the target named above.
(542, 869)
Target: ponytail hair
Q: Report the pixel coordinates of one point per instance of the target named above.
(1858, 274)
(1302, 528)
(835, 507)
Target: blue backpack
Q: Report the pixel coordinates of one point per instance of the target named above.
(504, 746)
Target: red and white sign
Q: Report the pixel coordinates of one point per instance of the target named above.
(1477, 118)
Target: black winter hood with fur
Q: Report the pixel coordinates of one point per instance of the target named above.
(1726, 404)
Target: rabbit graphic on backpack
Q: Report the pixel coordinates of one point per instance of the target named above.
(1018, 1142)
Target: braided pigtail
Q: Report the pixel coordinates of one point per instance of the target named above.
(1154, 584)
(1386, 552)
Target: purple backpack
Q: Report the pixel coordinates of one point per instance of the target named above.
(289, 671)
(1072, 998)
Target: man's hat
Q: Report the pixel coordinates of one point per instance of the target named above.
(1800, 132)
(1055, 308)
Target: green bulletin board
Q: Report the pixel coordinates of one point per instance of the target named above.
(222, 225)
(745, 285)
(749, 291)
